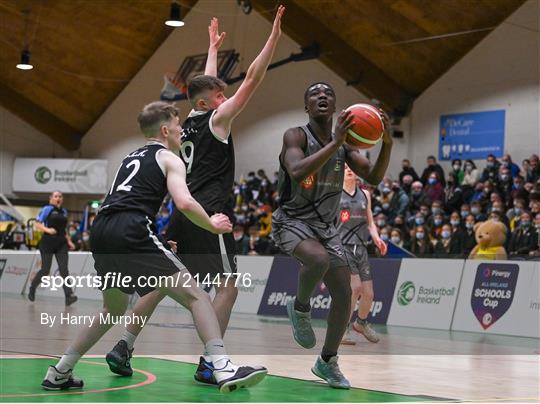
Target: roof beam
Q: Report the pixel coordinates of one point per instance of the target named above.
(339, 56)
(58, 130)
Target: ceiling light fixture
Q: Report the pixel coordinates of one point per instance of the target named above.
(25, 61)
(175, 19)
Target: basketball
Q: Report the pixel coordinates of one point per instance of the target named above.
(367, 128)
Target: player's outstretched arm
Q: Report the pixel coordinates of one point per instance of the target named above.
(360, 165)
(215, 42)
(227, 111)
(176, 184)
(381, 245)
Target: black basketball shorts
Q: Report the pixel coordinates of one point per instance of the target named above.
(201, 251)
(127, 243)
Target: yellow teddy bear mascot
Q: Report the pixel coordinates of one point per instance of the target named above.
(490, 238)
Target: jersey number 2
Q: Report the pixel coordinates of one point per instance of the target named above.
(136, 164)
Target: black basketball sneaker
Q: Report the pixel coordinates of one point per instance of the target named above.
(118, 359)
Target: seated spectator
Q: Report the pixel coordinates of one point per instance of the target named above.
(257, 245)
(534, 207)
(485, 198)
(525, 169)
(433, 167)
(443, 245)
(406, 169)
(476, 211)
(265, 220)
(492, 169)
(399, 223)
(455, 221)
(536, 251)
(241, 240)
(384, 234)
(420, 244)
(417, 197)
(457, 171)
(524, 239)
(435, 225)
(478, 192)
(469, 237)
(507, 162)
(406, 184)
(513, 214)
(396, 237)
(534, 169)
(518, 189)
(453, 194)
(435, 187)
(398, 202)
(380, 221)
(498, 207)
(75, 236)
(471, 175)
(465, 211)
(85, 241)
(505, 183)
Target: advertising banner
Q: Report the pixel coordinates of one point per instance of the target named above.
(385, 273)
(14, 269)
(471, 135)
(426, 293)
(499, 298)
(76, 176)
(252, 279)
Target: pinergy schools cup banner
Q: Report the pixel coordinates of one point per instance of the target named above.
(493, 291)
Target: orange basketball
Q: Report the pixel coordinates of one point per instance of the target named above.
(367, 128)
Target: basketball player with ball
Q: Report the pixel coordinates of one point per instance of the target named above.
(312, 163)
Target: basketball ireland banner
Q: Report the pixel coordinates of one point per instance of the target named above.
(75, 176)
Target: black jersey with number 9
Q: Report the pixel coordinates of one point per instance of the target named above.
(140, 183)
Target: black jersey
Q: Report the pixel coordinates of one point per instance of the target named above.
(209, 163)
(139, 185)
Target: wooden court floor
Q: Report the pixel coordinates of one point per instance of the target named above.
(407, 365)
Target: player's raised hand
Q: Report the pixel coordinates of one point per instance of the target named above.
(386, 126)
(221, 223)
(276, 29)
(216, 39)
(343, 124)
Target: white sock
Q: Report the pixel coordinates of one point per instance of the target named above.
(129, 338)
(206, 356)
(215, 351)
(68, 361)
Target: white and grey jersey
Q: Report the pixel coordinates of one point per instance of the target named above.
(316, 198)
(352, 222)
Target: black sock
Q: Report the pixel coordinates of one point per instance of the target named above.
(304, 308)
(362, 321)
(326, 355)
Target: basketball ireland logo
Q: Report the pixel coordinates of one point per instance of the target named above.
(406, 293)
(43, 175)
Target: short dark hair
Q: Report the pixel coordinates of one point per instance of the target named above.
(199, 84)
(154, 115)
(431, 158)
(315, 84)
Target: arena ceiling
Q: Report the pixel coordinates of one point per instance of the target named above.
(391, 50)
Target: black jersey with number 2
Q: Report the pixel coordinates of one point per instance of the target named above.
(139, 184)
(209, 163)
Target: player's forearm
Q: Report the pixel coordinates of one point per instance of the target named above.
(211, 62)
(195, 212)
(373, 231)
(313, 163)
(258, 67)
(376, 174)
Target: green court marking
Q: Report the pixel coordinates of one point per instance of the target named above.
(21, 377)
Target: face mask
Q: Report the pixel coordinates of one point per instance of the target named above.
(419, 236)
(495, 209)
(525, 223)
(517, 211)
(386, 190)
(456, 167)
(505, 163)
(381, 223)
(419, 220)
(435, 210)
(495, 219)
(454, 222)
(537, 225)
(237, 236)
(475, 211)
(504, 177)
(464, 213)
(385, 206)
(445, 234)
(72, 233)
(487, 190)
(437, 222)
(468, 168)
(384, 237)
(377, 209)
(490, 164)
(396, 239)
(432, 181)
(469, 225)
(86, 238)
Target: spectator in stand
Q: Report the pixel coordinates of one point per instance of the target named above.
(469, 238)
(514, 214)
(453, 194)
(406, 184)
(396, 237)
(381, 221)
(518, 188)
(525, 168)
(435, 226)
(536, 251)
(476, 211)
(492, 169)
(75, 237)
(505, 183)
(471, 175)
(433, 167)
(478, 192)
(457, 171)
(455, 221)
(406, 169)
(464, 211)
(265, 220)
(420, 245)
(85, 241)
(384, 234)
(241, 240)
(425, 210)
(445, 246)
(398, 203)
(434, 189)
(507, 162)
(535, 169)
(524, 238)
(534, 207)
(257, 245)
(417, 197)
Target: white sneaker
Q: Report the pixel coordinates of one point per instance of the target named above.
(55, 380)
(232, 377)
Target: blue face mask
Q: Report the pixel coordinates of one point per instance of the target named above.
(384, 237)
(381, 223)
(419, 220)
(490, 164)
(437, 222)
(525, 223)
(419, 236)
(432, 181)
(435, 210)
(396, 239)
(475, 211)
(464, 213)
(517, 211)
(377, 209)
(445, 234)
(385, 206)
(454, 222)
(386, 190)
